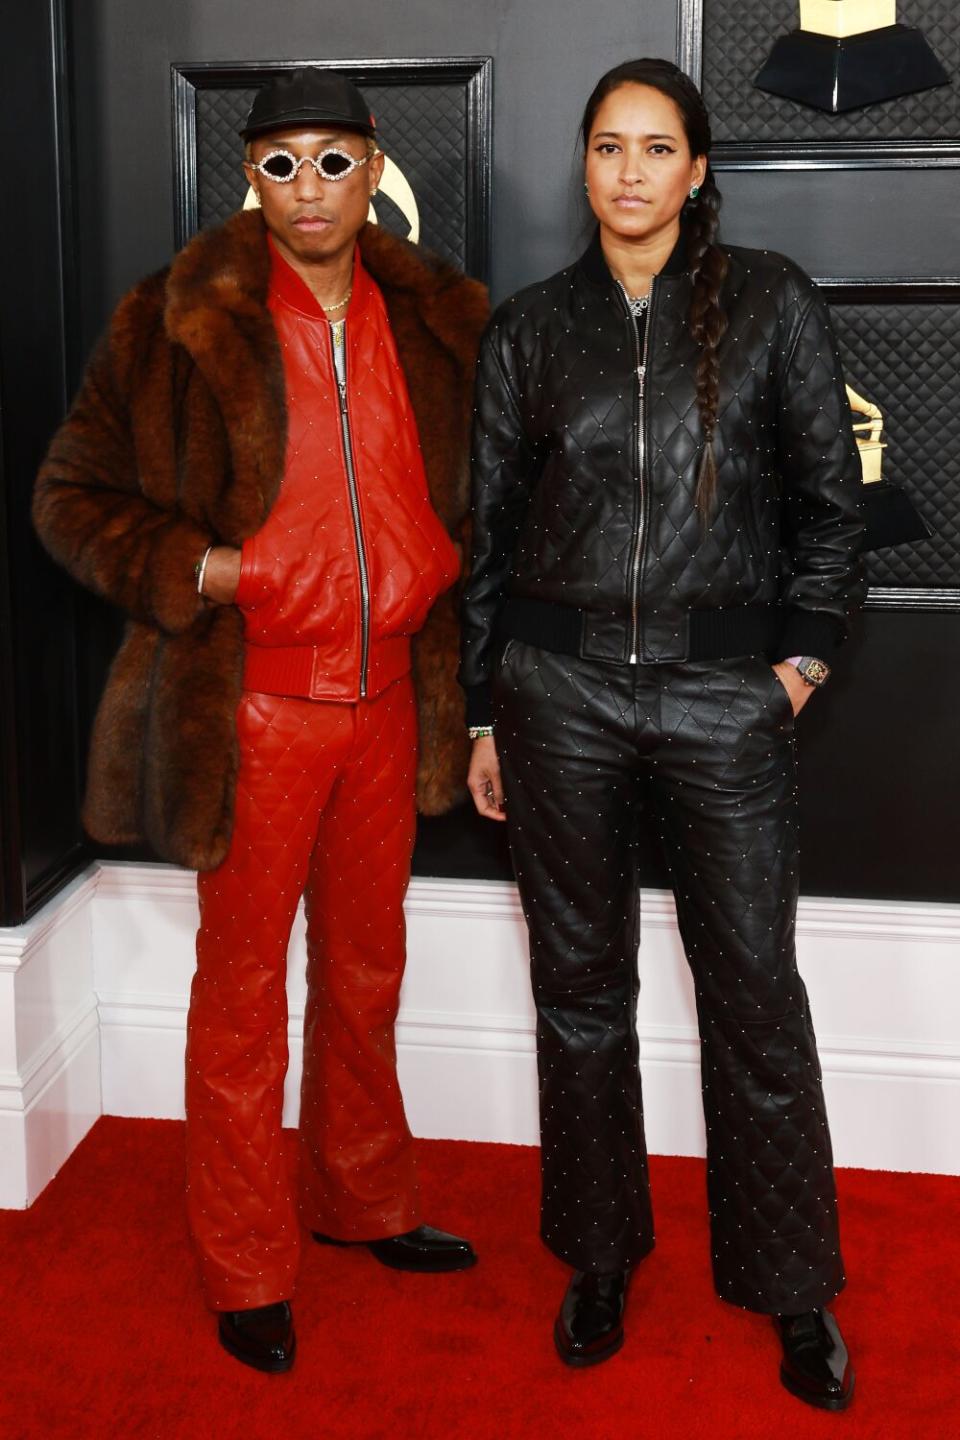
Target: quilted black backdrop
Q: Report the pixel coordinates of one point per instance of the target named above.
(433, 121)
(737, 38)
(880, 766)
(895, 355)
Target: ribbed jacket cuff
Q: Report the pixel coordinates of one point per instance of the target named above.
(479, 703)
(806, 632)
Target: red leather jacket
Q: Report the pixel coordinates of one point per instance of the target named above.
(352, 554)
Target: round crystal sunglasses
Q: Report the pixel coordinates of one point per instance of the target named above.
(331, 164)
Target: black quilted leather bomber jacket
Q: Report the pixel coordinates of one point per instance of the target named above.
(587, 444)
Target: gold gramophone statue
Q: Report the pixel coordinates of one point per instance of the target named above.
(850, 53)
(867, 434)
(889, 514)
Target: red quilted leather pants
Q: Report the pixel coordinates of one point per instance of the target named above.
(325, 808)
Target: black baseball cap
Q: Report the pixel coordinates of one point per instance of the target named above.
(308, 96)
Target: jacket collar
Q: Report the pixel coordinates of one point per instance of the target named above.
(216, 309)
(453, 307)
(594, 265)
(226, 271)
(286, 286)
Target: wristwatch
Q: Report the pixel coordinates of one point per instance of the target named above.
(812, 671)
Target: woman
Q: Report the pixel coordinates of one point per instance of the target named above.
(666, 529)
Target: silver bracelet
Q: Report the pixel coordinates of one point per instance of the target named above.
(202, 569)
(479, 732)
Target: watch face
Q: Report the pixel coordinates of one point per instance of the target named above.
(815, 671)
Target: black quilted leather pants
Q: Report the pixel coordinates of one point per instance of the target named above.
(704, 751)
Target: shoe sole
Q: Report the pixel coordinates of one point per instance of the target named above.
(826, 1403)
(581, 1362)
(269, 1367)
(436, 1267)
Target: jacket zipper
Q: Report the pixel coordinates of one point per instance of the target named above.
(641, 454)
(338, 341)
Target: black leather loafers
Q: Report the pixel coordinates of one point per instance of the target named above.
(262, 1337)
(425, 1250)
(815, 1367)
(589, 1327)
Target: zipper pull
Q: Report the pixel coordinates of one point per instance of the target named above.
(337, 329)
(641, 376)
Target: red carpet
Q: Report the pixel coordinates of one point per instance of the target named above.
(104, 1333)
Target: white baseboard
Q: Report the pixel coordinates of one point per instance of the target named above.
(884, 981)
(116, 951)
(49, 1043)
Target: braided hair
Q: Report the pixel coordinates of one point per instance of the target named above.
(706, 261)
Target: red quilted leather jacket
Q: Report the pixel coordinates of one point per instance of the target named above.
(352, 554)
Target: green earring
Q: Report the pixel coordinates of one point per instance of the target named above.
(694, 191)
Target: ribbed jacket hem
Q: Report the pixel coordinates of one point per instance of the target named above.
(771, 630)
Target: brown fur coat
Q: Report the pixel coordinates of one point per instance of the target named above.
(176, 441)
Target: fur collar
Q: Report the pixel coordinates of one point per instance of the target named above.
(215, 307)
(226, 271)
(453, 307)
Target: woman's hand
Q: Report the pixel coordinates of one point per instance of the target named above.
(483, 779)
(222, 575)
(794, 684)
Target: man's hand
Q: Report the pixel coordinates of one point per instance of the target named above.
(794, 684)
(483, 779)
(222, 575)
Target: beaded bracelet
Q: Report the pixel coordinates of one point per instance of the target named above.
(479, 732)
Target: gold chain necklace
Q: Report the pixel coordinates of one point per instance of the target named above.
(340, 303)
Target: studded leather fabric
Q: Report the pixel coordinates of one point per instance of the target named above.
(583, 494)
(706, 749)
(325, 807)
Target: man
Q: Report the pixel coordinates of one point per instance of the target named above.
(264, 468)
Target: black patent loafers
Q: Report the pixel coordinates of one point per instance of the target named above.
(589, 1328)
(262, 1337)
(424, 1250)
(815, 1367)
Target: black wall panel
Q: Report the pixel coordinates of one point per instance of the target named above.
(879, 765)
(40, 836)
